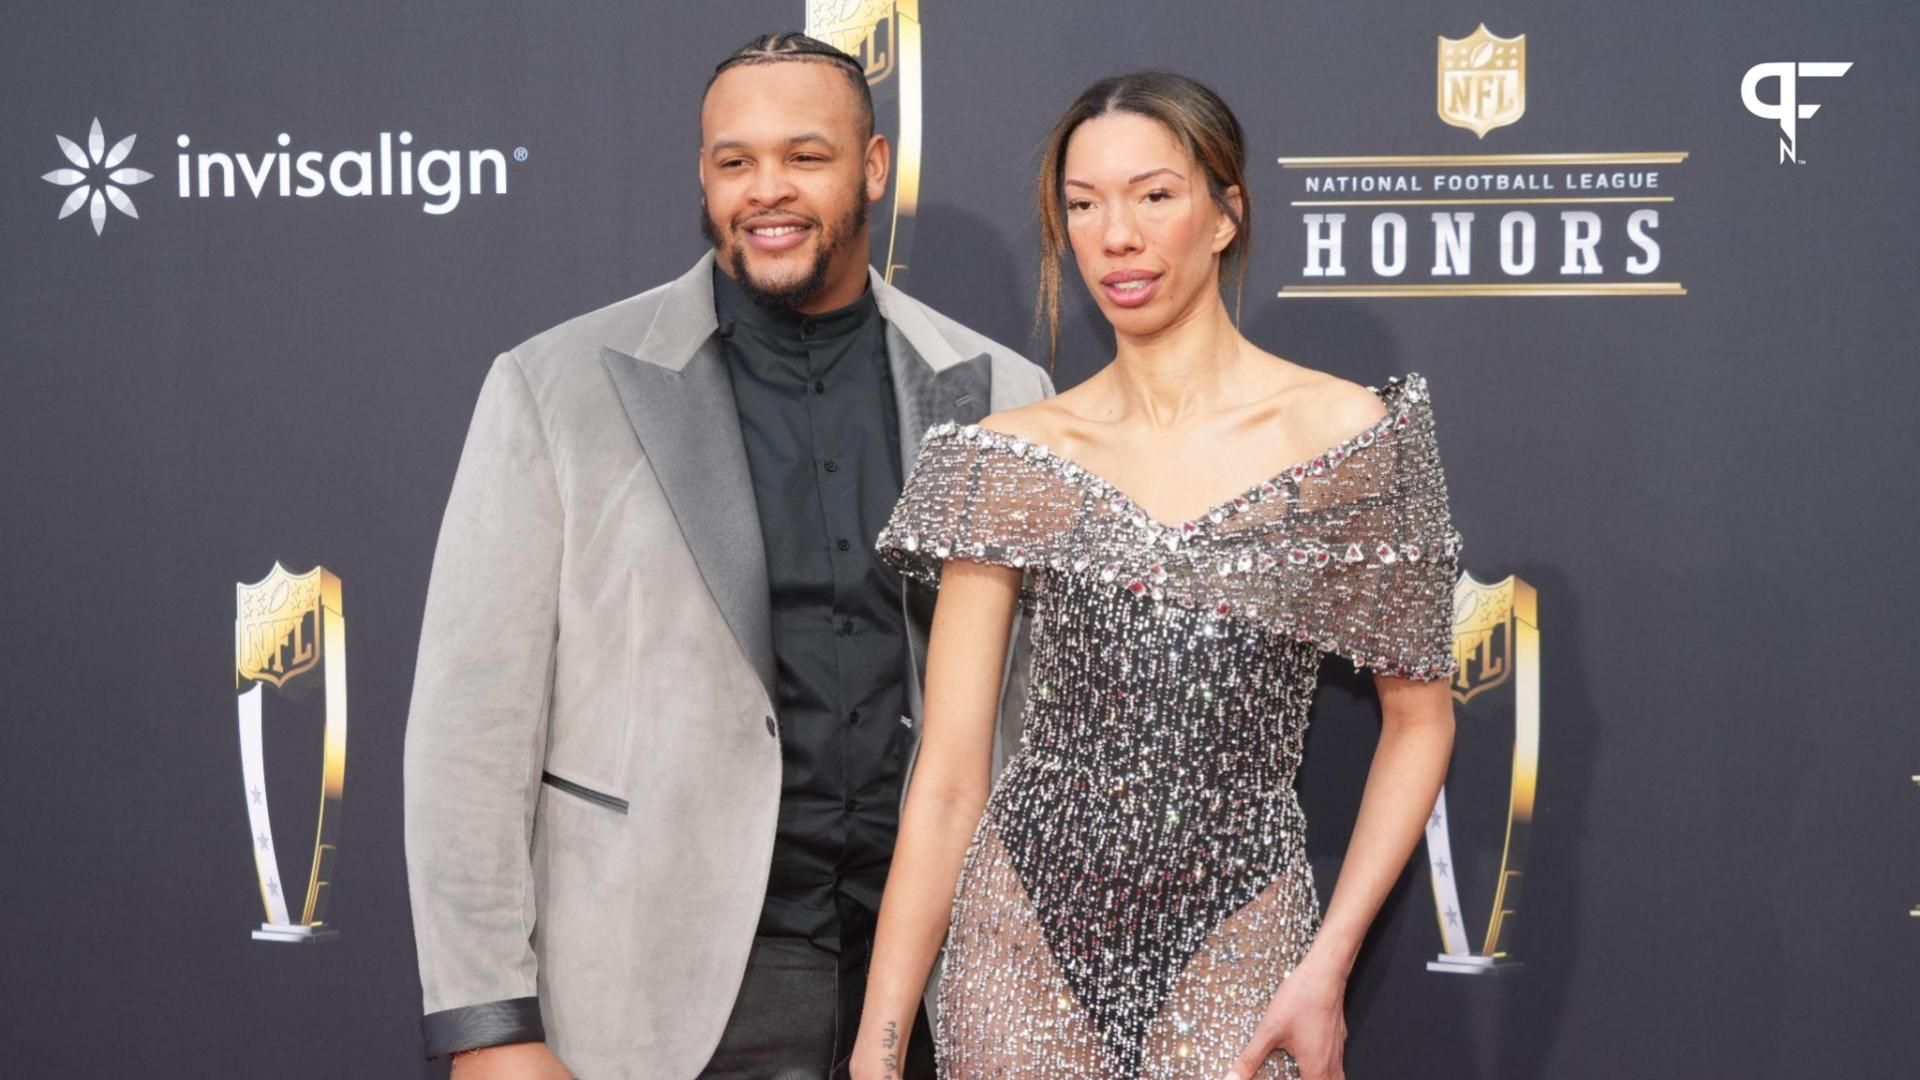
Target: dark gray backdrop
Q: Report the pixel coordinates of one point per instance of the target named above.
(1711, 492)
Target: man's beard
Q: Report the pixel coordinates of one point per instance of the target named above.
(791, 296)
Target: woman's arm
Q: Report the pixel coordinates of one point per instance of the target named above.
(966, 655)
(1409, 764)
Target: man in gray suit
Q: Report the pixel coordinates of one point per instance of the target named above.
(667, 695)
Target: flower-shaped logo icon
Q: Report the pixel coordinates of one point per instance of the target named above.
(96, 194)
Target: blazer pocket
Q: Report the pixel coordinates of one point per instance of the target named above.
(582, 791)
(591, 728)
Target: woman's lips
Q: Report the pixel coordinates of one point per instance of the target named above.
(1130, 289)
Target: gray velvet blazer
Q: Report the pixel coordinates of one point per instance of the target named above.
(592, 760)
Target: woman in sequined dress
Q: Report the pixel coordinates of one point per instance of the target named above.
(1190, 530)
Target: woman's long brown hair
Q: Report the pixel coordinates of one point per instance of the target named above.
(1198, 119)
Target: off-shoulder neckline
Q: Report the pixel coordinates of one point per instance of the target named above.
(1398, 395)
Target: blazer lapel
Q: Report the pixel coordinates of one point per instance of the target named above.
(679, 399)
(932, 381)
(923, 396)
(677, 395)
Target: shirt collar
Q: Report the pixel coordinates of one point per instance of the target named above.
(732, 304)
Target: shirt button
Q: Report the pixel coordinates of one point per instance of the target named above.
(852, 805)
(832, 465)
(771, 730)
(841, 544)
(819, 386)
(853, 717)
(846, 628)
(806, 328)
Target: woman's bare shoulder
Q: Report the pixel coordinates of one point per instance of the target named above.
(1326, 406)
(1037, 421)
(1346, 406)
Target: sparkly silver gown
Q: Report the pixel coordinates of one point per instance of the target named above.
(1138, 884)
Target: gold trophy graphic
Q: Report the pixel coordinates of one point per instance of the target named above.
(884, 35)
(1496, 639)
(289, 634)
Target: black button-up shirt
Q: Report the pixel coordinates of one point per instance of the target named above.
(817, 413)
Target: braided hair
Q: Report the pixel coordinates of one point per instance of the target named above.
(794, 47)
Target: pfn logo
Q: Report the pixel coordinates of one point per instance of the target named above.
(1786, 108)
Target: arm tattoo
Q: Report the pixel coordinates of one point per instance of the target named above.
(888, 1041)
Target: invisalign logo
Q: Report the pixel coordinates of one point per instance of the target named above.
(98, 177)
(441, 177)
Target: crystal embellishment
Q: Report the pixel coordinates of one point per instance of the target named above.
(1137, 885)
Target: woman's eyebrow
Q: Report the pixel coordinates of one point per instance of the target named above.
(1131, 180)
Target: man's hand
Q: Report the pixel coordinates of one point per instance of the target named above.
(513, 1061)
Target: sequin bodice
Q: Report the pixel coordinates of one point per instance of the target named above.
(1138, 884)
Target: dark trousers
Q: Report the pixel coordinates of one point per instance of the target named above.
(797, 1014)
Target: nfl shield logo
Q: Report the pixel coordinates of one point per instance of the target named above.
(1483, 617)
(1482, 80)
(863, 29)
(276, 626)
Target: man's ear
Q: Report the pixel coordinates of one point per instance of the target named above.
(879, 161)
(1225, 230)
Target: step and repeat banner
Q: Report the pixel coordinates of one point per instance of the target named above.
(1656, 260)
